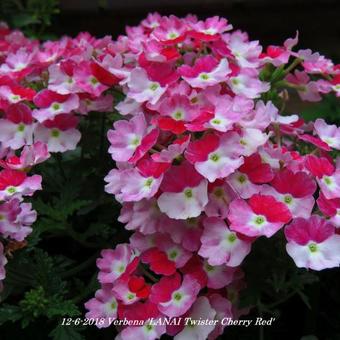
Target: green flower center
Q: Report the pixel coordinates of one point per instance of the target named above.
(173, 254)
(288, 199)
(188, 193)
(55, 133)
(21, 127)
(94, 81)
(313, 247)
(177, 296)
(235, 81)
(259, 220)
(135, 141)
(178, 115)
(232, 238)
(11, 190)
(148, 182)
(215, 157)
(242, 179)
(204, 76)
(2, 217)
(130, 296)
(55, 106)
(121, 268)
(148, 328)
(328, 180)
(216, 121)
(153, 86)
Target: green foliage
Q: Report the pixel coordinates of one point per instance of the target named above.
(55, 273)
(33, 17)
(66, 333)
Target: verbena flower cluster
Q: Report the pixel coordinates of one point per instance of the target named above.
(207, 160)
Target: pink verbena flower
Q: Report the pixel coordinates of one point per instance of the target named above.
(327, 176)
(216, 157)
(60, 134)
(173, 297)
(262, 215)
(16, 219)
(115, 263)
(220, 245)
(207, 71)
(210, 29)
(184, 192)
(312, 243)
(200, 310)
(17, 128)
(130, 140)
(331, 208)
(246, 83)
(142, 89)
(134, 184)
(51, 104)
(17, 184)
(330, 134)
(102, 307)
(251, 173)
(295, 190)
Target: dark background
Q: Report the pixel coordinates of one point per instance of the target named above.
(270, 21)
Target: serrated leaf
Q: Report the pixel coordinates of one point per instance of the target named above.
(66, 333)
(9, 313)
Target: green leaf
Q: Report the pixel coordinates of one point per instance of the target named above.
(9, 313)
(24, 19)
(66, 333)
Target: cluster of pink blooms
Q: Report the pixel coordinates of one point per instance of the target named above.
(204, 164)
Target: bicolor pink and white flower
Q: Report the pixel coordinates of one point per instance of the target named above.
(103, 307)
(184, 192)
(220, 245)
(50, 104)
(174, 297)
(15, 184)
(207, 71)
(115, 263)
(17, 128)
(312, 243)
(59, 134)
(261, 215)
(216, 157)
(130, 140)
(330, 134)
